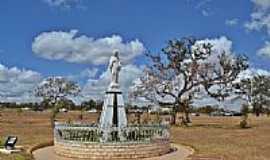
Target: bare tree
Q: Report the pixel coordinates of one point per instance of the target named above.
(54, 90)
(184, 68)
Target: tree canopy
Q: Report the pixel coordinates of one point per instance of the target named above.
(256, 90)
(55, 89)
(185, 67)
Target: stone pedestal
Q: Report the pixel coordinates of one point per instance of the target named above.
(113, 112)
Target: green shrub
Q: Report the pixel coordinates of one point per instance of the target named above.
(244, 124)
(20, 157)
(19, 110)
(2, 141)
(244, 111)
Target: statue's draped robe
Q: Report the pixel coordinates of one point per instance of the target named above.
(115, 67)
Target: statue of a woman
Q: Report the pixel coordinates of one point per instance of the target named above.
(115, 67)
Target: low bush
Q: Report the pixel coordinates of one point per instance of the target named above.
(1, 142)
(244, 124)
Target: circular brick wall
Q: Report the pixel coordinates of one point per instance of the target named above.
(108, 151)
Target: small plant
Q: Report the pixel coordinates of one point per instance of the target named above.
(20, 157)
(268, 112)
(244, 111)
(1, 142)
(19, 110)
(69, 121)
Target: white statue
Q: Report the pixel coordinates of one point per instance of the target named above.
(115, 67)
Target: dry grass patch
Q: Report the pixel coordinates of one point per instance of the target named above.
(210, 136)
(32, 128)
(222, 137)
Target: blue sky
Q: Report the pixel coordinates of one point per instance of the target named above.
(151, 23)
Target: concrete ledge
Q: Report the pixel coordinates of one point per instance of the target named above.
(38, 146)
(16, 150)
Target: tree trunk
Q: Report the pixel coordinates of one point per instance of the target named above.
(257, 111)
(81, 115)
(187, 117)
(174, 114)
(268, 112)
(54, 112)
(52, 119)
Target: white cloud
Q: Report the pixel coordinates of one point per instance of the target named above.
(63, 3)
(231, 22)
(95, 88)
(260, 21)
(205, 13)
(89, 73)
(204, 7)
(219, 45)
(16, 85)
(249, 73)
(264, 4)
(68, 46)
(260, 17)
(85, 74)
(265, 50)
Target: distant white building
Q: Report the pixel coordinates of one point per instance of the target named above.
(92, 110)
(166, 109)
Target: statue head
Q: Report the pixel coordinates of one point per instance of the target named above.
(116, 53)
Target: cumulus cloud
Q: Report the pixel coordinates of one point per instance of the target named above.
(260, 17)
(16, 85)
(265, 50)
(84, 74)
(74, 48)
(95, 88)
(260, 21)
(219, 45)
(249, 73)
(231, 22)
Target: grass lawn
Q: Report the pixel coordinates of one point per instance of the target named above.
(210, 136)
(222, 137)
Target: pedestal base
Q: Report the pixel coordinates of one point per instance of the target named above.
(113, 112)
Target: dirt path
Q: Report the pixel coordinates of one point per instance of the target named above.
(182, 153)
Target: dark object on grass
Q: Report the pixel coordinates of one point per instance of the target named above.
(10, 142)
